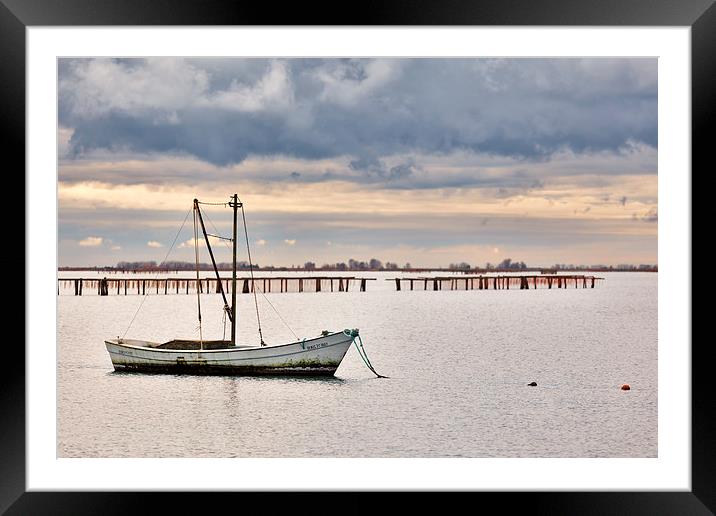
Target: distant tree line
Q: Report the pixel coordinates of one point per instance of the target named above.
(371, 265)
(179, 266)
(620, 267)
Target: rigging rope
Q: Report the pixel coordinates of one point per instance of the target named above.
(251, 270)
(277, 312)
(163, 261)
(220, 237)
(223, 335)
(227, 246)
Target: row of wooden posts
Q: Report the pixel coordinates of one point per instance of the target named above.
(103, 286)
(496, 282)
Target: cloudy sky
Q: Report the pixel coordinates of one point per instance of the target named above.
(427, 161)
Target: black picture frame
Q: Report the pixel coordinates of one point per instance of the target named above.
(17, 15)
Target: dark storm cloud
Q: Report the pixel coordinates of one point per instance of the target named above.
(224, 110)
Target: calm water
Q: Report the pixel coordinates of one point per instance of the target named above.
(459, 363)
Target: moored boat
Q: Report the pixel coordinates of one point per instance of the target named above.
(319, 356)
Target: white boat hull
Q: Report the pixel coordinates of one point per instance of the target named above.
(317, 357)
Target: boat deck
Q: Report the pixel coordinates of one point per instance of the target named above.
(195, 344)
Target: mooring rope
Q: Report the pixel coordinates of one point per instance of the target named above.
(361, 350)
(163, 261)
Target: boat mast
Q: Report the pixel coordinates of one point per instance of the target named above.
(198, 281)
(235, 205)
(213, 261)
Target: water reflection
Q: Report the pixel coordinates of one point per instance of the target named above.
(459, 364)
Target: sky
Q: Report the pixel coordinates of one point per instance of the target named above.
(422, 161)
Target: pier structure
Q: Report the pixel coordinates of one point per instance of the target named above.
(520, 282)
(142, 286)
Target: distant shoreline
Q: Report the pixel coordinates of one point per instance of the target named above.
(543, 270)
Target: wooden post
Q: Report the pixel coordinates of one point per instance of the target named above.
(77, 288)
(340, 284)
(592, 281)
(81, 287)
(318, 284)
(245, 290)
(348, 280)
(300, 284)
(411, 284)
(362, 285)
(397, 283)
(435, 284)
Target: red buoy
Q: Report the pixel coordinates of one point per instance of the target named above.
(626, 387)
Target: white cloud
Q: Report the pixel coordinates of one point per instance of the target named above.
(153, 243)
(116, 247)
(190, 243)
(261, 242)
(100, 86)
(289, 242)
(91, 242)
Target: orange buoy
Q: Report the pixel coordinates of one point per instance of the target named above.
(626, 387)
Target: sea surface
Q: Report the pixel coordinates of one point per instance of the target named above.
(458, 364)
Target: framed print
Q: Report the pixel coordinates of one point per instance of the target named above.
(418, 250)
